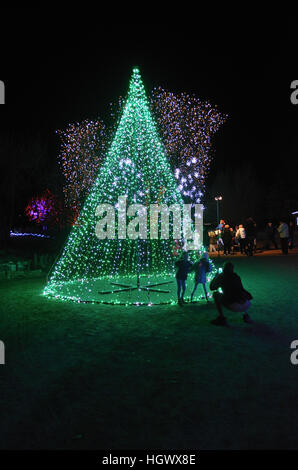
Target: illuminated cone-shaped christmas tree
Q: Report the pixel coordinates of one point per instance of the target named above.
(135, 169)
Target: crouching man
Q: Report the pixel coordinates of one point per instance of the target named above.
(234, 296)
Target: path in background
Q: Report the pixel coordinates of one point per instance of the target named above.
(259, 252)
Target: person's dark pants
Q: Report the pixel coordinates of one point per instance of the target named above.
(195, 288)
(284, 245)
(181, 286)
(250, 245)
(269, 241)
(242, 242)
(227, 248)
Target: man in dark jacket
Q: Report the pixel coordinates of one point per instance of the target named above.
(227, 237)
(234, 296)
(251, 233)
(270, 232)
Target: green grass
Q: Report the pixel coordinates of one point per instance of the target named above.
(102, 377)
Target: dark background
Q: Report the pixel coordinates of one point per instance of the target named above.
(61, 67)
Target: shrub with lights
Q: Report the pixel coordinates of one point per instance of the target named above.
(45, 210)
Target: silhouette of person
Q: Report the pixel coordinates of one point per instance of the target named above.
(184, 266)
(201, 268)
(234, 296)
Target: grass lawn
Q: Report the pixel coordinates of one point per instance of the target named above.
(81, 376)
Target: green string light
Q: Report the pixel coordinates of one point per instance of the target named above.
(135, 166)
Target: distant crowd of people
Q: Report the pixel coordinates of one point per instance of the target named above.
(243, 237)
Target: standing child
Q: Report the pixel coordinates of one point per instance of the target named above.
(212, 242)
(201, 268)
(184, 266)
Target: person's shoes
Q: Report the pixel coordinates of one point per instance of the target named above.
(247, 319)
(180, 302)
(219, 321)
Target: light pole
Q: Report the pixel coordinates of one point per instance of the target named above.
(217, 198)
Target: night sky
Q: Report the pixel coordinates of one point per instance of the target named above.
(60, 68)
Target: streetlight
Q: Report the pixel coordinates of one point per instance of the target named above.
(217, 199)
